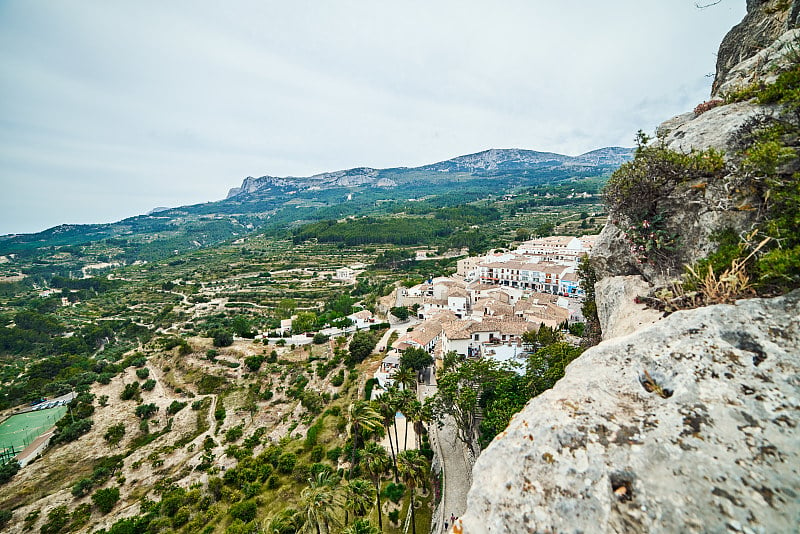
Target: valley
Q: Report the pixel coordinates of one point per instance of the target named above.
(195, 388)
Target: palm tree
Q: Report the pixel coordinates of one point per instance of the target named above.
(413, 468)
(359, 495)
(396, 403)
(405, 398)
(406, 377)
(416, 413)
(376, 461)
(287, 521)
(361, 526)
(362, 417)
(386, 408)
(320, 505)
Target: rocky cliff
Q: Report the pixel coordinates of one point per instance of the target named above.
(688, 424)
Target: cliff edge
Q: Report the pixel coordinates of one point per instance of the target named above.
(683, 421)
(689, 425)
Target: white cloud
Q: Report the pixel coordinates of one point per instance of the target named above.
(111, 108)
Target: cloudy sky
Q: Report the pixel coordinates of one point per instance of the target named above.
(111, 108)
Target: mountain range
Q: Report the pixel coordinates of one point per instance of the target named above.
(493, 162)
(270, 202)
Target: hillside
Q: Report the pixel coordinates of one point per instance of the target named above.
(270, 204)
(508, 168)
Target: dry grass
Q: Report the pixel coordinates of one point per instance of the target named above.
(709, 287)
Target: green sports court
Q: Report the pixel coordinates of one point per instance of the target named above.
(18, 431)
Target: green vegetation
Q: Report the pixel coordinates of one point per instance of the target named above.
(181, 329)
(767, 261)
(639, 194)
(8, 470)
(470, 386)
(105, 499)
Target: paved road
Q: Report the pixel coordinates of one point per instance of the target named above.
(456, 470)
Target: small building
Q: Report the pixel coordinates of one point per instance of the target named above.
(362, 319)
(345, 274)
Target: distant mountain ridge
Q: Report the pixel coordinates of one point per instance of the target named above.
(281, 203)
(480, 164)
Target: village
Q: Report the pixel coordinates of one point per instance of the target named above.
(482, 310)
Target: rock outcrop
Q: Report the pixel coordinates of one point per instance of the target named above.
(689, 425)
(753, 52)
(618, 310)
(765, 21)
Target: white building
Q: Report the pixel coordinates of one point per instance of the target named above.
(345, 273)
(362, 319)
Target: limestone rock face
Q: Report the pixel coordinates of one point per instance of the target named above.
(764, 22)
(761, 67)
(617, 309)
(693, 212)
(713, 129)
(611, 254)
(689, 425)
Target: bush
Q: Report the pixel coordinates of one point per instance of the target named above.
(286, 462)
(253, 363)
(221, 338)
(5, 517)
(181, 517)
(317, 453)
(145, 411)
(57, 521)
(639, 191)
(394, 492)
(80, 516)
(130, 391)
(338, 378)
(334, 454)
(175, 407)
(320, 338)
(114, 434)
(142, 373)
(82, 487)
(401, 312)
(368, 385)
(8, 470)
(394, 516)
(244, 510)
(361, 346)
(311, 401)
(72, 431)
(234, 434)
(105, 499)
(149, 384)
(313, 433)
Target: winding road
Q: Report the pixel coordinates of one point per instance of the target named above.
(456, 469)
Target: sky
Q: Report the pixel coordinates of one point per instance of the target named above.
(111, 108)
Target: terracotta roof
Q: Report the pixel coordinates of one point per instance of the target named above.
(571, 277)
(425, 334)
(457, 292)
(458, 329)
(512, 327)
